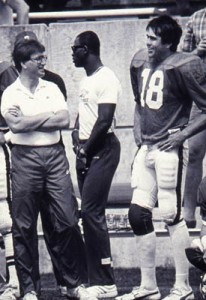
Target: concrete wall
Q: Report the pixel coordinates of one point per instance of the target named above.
(120, 39)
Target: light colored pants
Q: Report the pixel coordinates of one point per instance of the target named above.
(159, 175)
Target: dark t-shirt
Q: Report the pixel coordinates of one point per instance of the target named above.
(55, 78)
(4, 65)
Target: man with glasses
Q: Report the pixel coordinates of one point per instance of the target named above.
(35, 111)
(8, 74)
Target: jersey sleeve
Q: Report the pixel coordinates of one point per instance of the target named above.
(134, 83)
(135, 68)
(194, 76)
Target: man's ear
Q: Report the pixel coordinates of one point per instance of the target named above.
(86, 49)
(23, 65)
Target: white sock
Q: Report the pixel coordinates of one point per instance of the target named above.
(180, 240)
(9, 253)
(147, 251)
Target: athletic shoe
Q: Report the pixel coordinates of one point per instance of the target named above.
(30, 296)
(10, 293)
(103, 291)
(81, 293)
(180, 294)
(141, 293)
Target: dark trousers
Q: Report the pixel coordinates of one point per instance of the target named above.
(94, 186)
(37, 171)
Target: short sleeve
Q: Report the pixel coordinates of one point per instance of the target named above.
(110, 88)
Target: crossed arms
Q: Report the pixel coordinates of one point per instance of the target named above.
(44, 122)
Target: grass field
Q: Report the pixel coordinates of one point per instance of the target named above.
(125, 279)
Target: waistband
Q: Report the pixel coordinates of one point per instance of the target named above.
(150, 146)
(108, 135)
(36, 146)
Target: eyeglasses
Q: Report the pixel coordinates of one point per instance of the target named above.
(75, 47)
(39, 59)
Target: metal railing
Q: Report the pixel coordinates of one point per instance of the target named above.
(102, 13)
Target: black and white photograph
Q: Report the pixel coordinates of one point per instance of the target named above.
(102, 149)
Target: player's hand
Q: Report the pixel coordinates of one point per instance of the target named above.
(82, 160)
(2, 138)
(81, 155)
(75, 140)
(201, 48)
(174, 141)
(15, 111)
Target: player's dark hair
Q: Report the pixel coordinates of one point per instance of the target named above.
(168, 29)
(91, 40)
(23, 51)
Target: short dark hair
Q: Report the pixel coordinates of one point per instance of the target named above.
(23, 51)
(91, 40)
(168, 29)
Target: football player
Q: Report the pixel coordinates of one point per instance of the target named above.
(164, 83)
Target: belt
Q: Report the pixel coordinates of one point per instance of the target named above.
(150, 146)
(107, 135)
